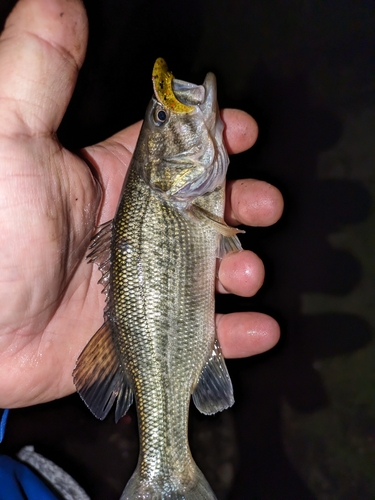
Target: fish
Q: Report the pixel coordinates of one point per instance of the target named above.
(158, 258)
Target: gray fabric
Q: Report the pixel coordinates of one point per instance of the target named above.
(59, 479)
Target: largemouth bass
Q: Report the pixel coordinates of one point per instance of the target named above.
(158, 263)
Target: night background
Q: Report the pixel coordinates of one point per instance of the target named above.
(303, 426)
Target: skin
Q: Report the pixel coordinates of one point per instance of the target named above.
(50, 202)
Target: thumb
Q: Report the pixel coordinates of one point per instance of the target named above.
(42, 49)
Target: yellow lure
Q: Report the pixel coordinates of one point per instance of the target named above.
(162, 82)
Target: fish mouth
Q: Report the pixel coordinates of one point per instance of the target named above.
(187, 93)
(212, 160)
(203, 96)
(162, 80)
(183, 97)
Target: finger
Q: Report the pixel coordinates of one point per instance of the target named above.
(252, 202)
(241, 273)
(42, 48)
(240, 132)
(247, 333)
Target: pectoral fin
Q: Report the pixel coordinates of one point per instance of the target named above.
(215, 222)
(227, 244)
(214, 391)
(228, 241)
(99, 377)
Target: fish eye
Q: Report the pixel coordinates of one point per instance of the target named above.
(160, 116)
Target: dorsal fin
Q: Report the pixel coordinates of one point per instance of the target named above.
(100, 253)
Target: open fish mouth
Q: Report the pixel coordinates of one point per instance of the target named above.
(189, 93)
(183, 97)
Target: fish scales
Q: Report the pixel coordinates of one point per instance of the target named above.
(172, 310)
(158, 259)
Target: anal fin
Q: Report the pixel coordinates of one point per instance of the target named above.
(99, 377)
(214, 391)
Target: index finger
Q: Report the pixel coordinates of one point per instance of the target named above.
(241, 130)
(252, 202)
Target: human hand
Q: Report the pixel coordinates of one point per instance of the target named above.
(50, 301)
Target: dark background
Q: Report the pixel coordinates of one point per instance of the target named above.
(303, 426)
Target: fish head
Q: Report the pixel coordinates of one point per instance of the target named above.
(181, 152)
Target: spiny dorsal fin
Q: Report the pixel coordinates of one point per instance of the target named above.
(100, 253)
(100, 244)
(99, 378)
(214, 391)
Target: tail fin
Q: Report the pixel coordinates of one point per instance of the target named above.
(167, 489)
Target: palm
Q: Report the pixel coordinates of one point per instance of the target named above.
(50, 302)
